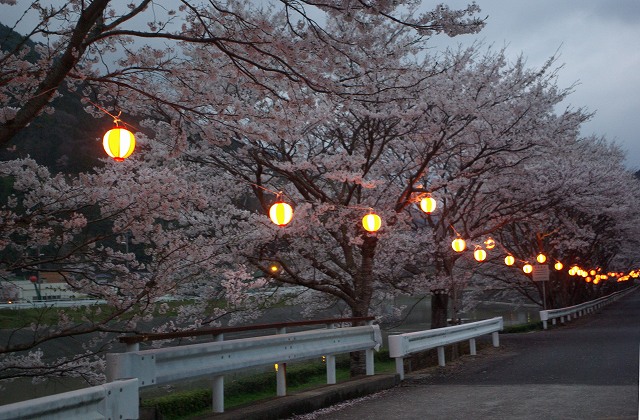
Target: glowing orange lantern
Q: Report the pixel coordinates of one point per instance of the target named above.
(558, 266)
(479, 254)
(490, 243)
(509, 260)
(119, 142)
(527, 268)
(428, 204)
(274, 268)
(459, 245)
(541, 258)
(371, 222)
(281, 213)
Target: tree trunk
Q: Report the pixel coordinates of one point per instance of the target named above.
(58, 71)
(363, 287)
(439, 308)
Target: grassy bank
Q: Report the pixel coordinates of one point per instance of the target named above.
(256, 387)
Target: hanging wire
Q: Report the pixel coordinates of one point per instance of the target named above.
(116, 118)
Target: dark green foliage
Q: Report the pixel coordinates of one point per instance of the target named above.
(177, 404)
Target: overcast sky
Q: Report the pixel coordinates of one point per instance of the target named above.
(599, 44)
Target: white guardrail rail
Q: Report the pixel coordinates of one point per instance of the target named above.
(52, 304)
(166, 365)
(581, 309)
(402, 345)
(114, 400)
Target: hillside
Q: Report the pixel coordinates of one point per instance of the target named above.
(67, 140)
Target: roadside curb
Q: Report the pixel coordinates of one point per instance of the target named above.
(308, 401)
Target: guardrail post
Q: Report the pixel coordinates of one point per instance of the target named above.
(441, 361)
(368, 357)
(281, 372)
(472, 346)
(495, 337)
(370, 367)
(330, 360)
(217, 386)
(400, 367)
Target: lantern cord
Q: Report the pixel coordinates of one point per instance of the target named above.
(454, 230)
(116, 118)
(278, 194)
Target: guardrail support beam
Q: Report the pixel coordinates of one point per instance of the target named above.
(281, 380)
(400, 367)
(217, 388)
(441, 360)
(369, 362)
(495, 337)
(330, 360)
(472, 346)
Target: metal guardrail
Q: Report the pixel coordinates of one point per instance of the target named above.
(402, 345)
(166, 365)
(114, 400)
(52, 304)
(132, 341)
(575, 311)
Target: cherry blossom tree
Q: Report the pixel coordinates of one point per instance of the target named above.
(462, 127)
(99, 49)
(73, 226)
(96, 52)
(588, 226)
(336, 107)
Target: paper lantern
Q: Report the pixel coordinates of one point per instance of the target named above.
(459, 245)
(541, 258)
(527, 268)
(490, 243)
(119, 143)
(281, 213)
(371, 222)
(428, 204)
(274, 268)
(509, 260)
(479, 254)
(558, 266)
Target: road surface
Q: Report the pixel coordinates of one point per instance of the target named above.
(587, 369)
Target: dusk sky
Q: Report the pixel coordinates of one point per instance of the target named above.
(598, 43)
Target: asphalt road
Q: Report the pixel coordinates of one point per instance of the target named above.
(587, 369)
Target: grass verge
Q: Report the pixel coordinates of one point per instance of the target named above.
(261, 386)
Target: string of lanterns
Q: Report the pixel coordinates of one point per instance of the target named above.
(480, 255)
(119, 143)
(281, 214)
